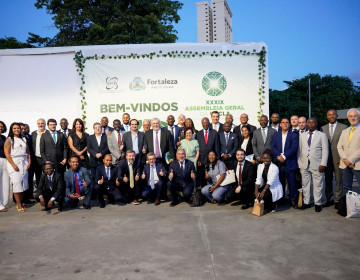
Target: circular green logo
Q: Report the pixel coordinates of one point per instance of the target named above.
(214, 83)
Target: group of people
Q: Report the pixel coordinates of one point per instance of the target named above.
(227, 162)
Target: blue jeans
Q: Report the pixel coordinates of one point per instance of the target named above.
(218, 194)
(348, 175)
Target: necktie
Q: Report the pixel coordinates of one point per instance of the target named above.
(108, 173)
(331, 131)
(54, 137)
(103, 132)
(263, 135)
(215, 127)
(131, 175)
(240, 178)
(152, 180)
(302, 131)
(50, 183)
(294, 130)
(309, 140)
(351, 133)
(157, 150)
(173, 135)
(206, 136)
(183, 170)
(227, 138)
(119, 139)
(77, 187)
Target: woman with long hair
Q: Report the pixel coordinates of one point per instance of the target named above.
(78, 143)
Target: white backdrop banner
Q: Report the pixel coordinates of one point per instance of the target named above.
(157, 87)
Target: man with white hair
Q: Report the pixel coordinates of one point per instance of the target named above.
(349, 150)
(36, 136)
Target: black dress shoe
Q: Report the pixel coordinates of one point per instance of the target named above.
(329, 203)
(86, 206)
(305, 206)
(293, 204)
(245, 206)
(102, 205)
(60, 208)
(318, 208)
(336, 205)
(174, 203)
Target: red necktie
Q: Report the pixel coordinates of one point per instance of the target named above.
(240, 165)
(206, 132)
(77, 187)
(119, 139)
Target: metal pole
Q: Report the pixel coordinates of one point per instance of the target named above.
(309, 100)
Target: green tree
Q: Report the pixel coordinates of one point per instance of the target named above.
(12, 43)
(102, 22)
(327, 92)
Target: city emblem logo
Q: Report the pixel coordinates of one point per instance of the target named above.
(214, 83)
(137, 84)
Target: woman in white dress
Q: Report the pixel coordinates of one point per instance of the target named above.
(18, 156)
(4, 177)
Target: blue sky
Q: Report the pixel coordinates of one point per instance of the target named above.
(307, 36)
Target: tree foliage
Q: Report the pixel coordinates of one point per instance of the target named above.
(12, 43)
(327, 92)
(102, 22)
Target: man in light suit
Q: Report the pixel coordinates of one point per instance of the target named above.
(349, 150)
(115, 143)
(159, 142)
(262, 138)
(302, 125)
(313, 157)
(244, 121)
(174, 130)
(333, 131)
(285, 146)
(53, 147)
(134, 140)
(228, 145)
(215, 124)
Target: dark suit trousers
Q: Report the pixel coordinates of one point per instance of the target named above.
(246, 194)
(175, 186)
(47, 196)
(113, 194)
(38, 165)
(200, 178)
(329, 174)
(269, 205)
(290, 176)
(128, 193)
(149, 194)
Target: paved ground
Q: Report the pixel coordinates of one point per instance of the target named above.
(148, 242)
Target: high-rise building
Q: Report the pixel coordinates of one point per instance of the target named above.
(214, 21)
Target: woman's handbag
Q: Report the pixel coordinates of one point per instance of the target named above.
(300, 200)
(258, 209)
(229, 177)
(352, 204)
(196, 198)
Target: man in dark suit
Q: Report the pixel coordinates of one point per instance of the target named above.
(64, 127)
(181, 177)
(285, 147)
(215, 124)
(228, 144)
(128, 177)
(53, 147)
(97, 147)
(134, 140)
(243, 121)
(78, 184)
(159, 142)
(294, 121)
(208, 141)
(51, 188)
(36, 136)
(105, 182)
(245, 175)
(29, 193)
(174, 130)
(262, 138)
(333, 131)
(153, 178)
(105, 128)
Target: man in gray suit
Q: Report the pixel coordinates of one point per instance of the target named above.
(115, 144)
(333, 131)
(262, 138)
(134, 140)
(313, 157)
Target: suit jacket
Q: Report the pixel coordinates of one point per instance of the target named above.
(249, 149)
(248, 174)
(158, 167)
(318, 152)
(349, 150)
(128, 144)
(33, 137)
(335, 140)
(69, 179)
(114, 147)
(290, 149)
(58, 186)
(123, 169)
(50, 151)
(231, 146)
(93, 148)
(237, 130)
(101, 172)
(212, 145)
(178, 176)
(177, 131)
(221, 129)
(258, 143)
(166, 143)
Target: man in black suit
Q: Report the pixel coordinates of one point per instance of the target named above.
(294, 121)
(36, 136)
(28, 194)
(53, 147)
(105, 182)
(208, 141)
(97, 147)
(128, 177)
(51, 188)
(174, 130)
(181, 177)
(228, 145)
(245, 175)
(243, 121)
(215, 124)
(64, 127)
(159, 142)
(134, 140)
(105, 128)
